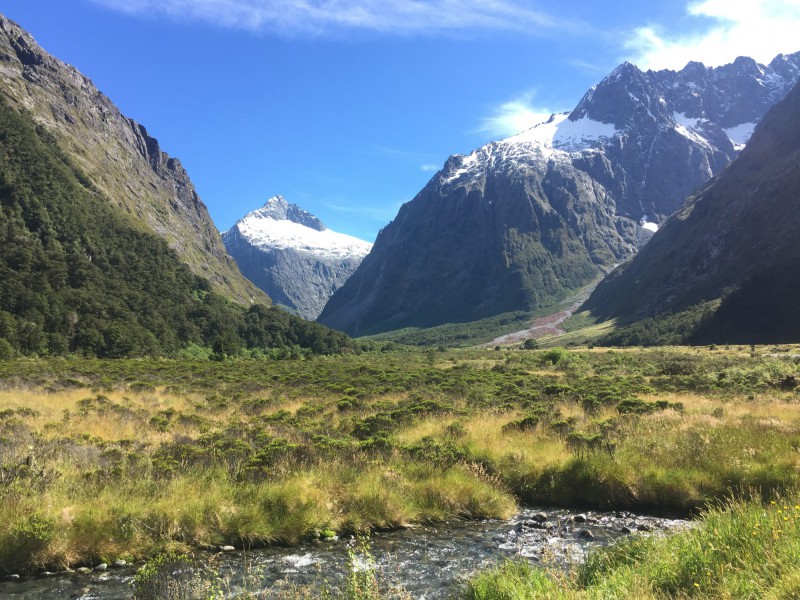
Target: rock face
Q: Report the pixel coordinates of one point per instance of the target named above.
(517, 224)
(119, 157)
(735, 237)
(291, 255)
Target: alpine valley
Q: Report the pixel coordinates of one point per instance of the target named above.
(291, 255)
(168, 431)
(521, 223)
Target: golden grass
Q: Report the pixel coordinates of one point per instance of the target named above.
(682, 458)
(431, 426)
(783, 407)
(513, 449)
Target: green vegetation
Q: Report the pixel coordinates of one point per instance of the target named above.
(456, 335)
(127, 458)
(79, 276)
(666, 329)
(739, 550)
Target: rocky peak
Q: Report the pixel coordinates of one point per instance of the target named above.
(287, 252)
(278, 209)
(519, 223)
(624, 97)
(787, 67)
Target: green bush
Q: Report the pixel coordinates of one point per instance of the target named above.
(169, 576)
(24, 541)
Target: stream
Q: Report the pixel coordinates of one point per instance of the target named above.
(428, 561)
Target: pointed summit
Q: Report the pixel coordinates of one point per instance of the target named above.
(278, 209)
(285, 249)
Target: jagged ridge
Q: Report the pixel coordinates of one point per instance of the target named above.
(519, 223)
(734, 238)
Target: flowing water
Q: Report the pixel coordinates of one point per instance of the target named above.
(427, 561)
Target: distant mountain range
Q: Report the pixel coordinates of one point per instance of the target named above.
(291, 255)
(520, 223)
(734, 239)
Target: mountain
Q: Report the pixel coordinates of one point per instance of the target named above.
(119, 157)
(292, 256)
(520, 223)
(79, 276)
(85, 263)
(734, 239)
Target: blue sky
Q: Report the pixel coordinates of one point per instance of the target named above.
(348, 107)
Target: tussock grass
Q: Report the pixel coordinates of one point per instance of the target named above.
(739, 549)
(100, 460)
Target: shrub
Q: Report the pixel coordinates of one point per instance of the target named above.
(24, 542)
(6, 350)
(166, 577)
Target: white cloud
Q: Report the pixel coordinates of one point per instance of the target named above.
(760, 29)
(510, 118)
(324, 16)
(429, 168)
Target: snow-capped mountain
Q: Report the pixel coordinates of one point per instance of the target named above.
(290, 254)
(519, 222)
(747, 254)
(648, 137)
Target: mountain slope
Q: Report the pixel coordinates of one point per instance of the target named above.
(520, 223)
(79, 276)
(735, 238)
(291, 255)
(118, 156)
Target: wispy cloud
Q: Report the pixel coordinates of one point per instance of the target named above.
(760, 29)
(380, 213)
(325, 16)
(510, 118)
(429, 168)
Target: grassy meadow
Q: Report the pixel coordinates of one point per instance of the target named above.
(101, 460)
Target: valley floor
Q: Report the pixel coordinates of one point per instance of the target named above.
(106, 460)
(547, 325)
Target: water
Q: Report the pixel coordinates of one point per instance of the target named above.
(427, 561)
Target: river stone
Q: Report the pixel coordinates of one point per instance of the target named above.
(48, 574)
(626, 529)
(119, 563)
(226, 548)
(333, 538)
(539, 517)
(12, 577)
(83, 570)
(644, 527)
(581, 518)
(586, 534)
(101, 567)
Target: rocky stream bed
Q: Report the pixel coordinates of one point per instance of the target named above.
(427, 561)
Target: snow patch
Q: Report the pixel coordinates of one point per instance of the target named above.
(650, 226)
(687, 122)
(740, 135)
(267, 233)
(645, 224)
(556, 139)
(560, 133)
